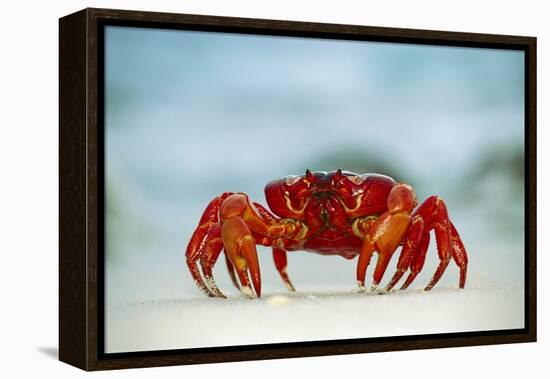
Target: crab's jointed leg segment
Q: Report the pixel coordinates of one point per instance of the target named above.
(433, 213)
(208, 258)
(279, 257)
(266, 215)
(442, 231)
(449, 244)
(279, 254)
(419, 257)
(410, 246)
(199, 242)
(364, 261)
(459, 255)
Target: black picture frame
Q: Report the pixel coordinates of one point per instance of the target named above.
(81, 185)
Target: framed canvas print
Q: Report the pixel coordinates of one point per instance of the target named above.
(238, 189)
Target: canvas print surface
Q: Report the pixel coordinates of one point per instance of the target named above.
(192, 115)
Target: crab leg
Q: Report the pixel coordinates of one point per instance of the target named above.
(199, 244)
(364, 261)
(197, 277)
(192, 256)
(459, 255)
(449, 245)
(210, 255)
(199, 240)
(407, 252)
(279, 257)
(417, 262)
(436, 212)
(443, 240)
(266, 215)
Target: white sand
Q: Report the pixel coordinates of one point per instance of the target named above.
(303, 316)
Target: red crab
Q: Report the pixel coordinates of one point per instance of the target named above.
(335, 213)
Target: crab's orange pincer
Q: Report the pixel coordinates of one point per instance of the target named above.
(335, 213)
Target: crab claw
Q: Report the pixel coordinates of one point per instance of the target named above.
(386, 234)
(231, 271)
(240, 249)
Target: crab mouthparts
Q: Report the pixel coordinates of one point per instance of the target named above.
(323, 193)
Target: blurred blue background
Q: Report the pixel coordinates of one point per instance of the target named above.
(190, 115)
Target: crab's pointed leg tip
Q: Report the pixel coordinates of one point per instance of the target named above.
(247, 291)
(361, 286)
(373, 288)
(221, 295)
(429, 287)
